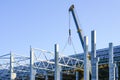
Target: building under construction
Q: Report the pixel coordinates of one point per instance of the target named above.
(102, 64)
(70, 67)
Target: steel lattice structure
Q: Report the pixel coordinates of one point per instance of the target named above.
(43, 61)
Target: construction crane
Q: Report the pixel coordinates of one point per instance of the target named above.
(72, 10)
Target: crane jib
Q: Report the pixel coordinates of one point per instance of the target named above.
(71, 9)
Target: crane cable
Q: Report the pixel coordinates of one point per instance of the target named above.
(69, 41)
(69, 37)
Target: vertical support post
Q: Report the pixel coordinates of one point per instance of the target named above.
(12, 74)
(32, 71)
(111, 63)
(11, 65)
(46, 75)
(94, 59)
(22, 78)
(86, 63)
(116, 71)
(93, 44)
(77, 75)
(61, 76)
(57, 71)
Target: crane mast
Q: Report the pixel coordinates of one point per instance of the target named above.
(72, 10)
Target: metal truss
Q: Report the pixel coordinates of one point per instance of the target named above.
(45, 60)
(4, 66)
(20, 65)
(43, 63)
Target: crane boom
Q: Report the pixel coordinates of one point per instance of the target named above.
(72, 10)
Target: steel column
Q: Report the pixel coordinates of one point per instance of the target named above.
(86, 60)
(32, 72)
(94, 59)
(57, 68)
(46, 75)
(116, 71)
(61, 74)
(11, 65)
(111, 63)
(77, 75)
(12, 74)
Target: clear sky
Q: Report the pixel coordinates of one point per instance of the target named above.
(42, 23)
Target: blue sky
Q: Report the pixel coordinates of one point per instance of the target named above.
(42, 23)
